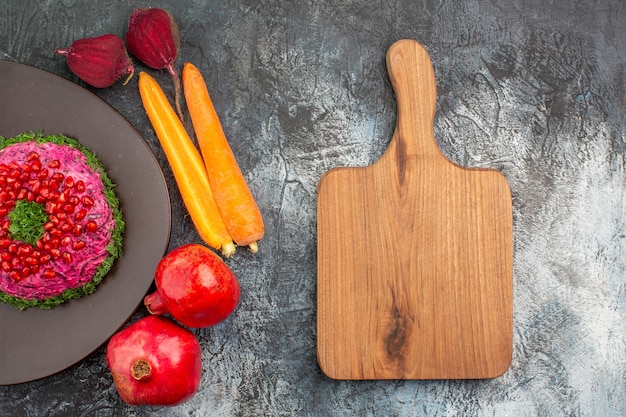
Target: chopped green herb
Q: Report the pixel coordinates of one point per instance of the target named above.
(27, 220)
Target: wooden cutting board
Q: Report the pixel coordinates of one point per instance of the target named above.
(415, 253)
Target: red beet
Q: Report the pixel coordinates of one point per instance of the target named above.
(154, 38)
(155, 361)
(194, 286)
(99, 61)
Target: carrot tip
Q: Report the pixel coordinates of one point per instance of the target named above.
(254, 247)
(228, 249)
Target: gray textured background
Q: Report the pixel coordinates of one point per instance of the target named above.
(533, 88)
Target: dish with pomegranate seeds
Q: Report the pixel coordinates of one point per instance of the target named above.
(60, 223)
(39, 342)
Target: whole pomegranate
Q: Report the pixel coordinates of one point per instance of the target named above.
(155, 361)
(194, 286)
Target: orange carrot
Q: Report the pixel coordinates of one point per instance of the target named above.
(187, 166)
(239, 210)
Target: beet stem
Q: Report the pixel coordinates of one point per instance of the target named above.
(176, 80)
(131, 72)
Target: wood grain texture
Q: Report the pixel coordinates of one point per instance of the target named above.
(414, 253)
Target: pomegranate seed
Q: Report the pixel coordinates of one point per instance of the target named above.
(48, 225)
(53, 219)
(14, 165)
(49, 273)
(34, 269)
(81, 214)
(25, 250)
(69, 208)
(30, 196)
(87, 201)
(45, 258)
(43, 174)
(31, 260)
(55, 253)
(40, 200)
(32, 155)
(39, 244)
(13, 248)
(24, 177)
(64, 196)
(66, 240)
(6, 266)
(67, 257)
(6, 225)
(55, 242)
(66, 227)
(78, 230)
(21, 194)
(78, 245)
(55, 163)
(91, 226)
(4, 168)
(35, 165)
(25, 272)
(44, 193)
(58, 177)
(73, 200)
(80, 186)
(26, 167)
(61, 215)
(4, 211)
(55, 233)
(69, 182)
(4, 196)
(4, 243)
(6, 256)
(15, 276)
(35, 185)
(12, 195)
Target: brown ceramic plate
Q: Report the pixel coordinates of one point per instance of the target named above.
(37, 343)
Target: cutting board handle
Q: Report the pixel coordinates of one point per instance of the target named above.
(413, 80)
